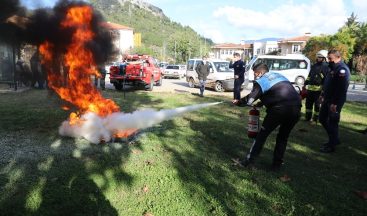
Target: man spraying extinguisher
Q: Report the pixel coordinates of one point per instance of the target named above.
(283, 107)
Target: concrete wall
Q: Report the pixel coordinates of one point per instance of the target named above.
(124, 40)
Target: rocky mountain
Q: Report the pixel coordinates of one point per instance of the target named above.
(160, 35)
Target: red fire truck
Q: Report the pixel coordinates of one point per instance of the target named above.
(136, 70)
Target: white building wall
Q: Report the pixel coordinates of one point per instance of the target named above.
(124, 41)
(271, 46)
(262, 48)
(227, 53)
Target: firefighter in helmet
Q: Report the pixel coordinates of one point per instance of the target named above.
(283, 108)
(314, 83)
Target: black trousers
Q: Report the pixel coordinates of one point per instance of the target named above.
(312, 102)
(330, 121)
(286, 117)
(237, 89)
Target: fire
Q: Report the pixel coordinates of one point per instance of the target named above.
(125, 133)
(71, 79)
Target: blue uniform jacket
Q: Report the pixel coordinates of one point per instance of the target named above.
(239, 68)
(273, 89)
(336, 84)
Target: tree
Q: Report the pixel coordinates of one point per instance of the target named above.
(360, 51)
(344, 41)
(361, 41)
(184, 45)
(316, 44)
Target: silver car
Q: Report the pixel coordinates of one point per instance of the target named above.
(173, 71)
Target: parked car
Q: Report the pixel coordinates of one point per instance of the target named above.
(295, 67)
(173, 71)
(162, 65)
(221, 77)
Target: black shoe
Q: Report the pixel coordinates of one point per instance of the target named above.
(327, 149)
(247, 163)
(276, 166)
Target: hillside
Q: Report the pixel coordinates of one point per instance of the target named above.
(160, 35)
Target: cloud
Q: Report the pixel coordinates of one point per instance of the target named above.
(289, 19)
(209, 30)
(360, 9)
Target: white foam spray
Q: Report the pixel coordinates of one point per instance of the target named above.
(95, 128)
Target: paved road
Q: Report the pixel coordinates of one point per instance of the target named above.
(355, 92)
(180, 86)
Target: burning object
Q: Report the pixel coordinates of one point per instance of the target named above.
(71, 62)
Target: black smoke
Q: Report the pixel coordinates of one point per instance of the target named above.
(44, 25)
(9, 8)
(10, 32)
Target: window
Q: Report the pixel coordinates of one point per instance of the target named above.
(197, 62)
(190, 65)
(283, 64)
(296, 48)
(174, 67)
(270, 50)
(226, 52)
(263, 51)
(222, 67)
(222, 52)
(258, 51)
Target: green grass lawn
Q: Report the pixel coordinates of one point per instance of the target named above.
(179, 167)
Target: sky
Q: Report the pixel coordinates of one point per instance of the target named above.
(230, 21)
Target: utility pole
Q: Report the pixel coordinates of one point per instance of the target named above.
(205, 45)
(130, 14)
(201, 50)
(175, 54)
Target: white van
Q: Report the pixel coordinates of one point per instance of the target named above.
(221, 77)
(295, 67)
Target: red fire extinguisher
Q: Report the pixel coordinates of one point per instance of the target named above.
(253, 122)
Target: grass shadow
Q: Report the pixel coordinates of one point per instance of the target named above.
(42, 173)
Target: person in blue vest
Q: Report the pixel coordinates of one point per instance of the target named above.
(283, 109)
(333, 97)
(239, 76)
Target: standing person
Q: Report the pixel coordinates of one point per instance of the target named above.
(314, 84)
(283, 107)
(203, 69)
(333, 98)
(239, 73)
(101, 69)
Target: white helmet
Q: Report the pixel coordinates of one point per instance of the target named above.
(322, 54)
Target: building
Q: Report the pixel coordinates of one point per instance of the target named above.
(248, 52)
(123, 36)
(225, 51)
(10, 44)
(265, 47)
(294, 45)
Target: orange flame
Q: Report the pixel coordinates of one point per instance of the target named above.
(71, 78)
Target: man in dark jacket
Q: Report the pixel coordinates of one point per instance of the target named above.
(333, 96)
(203, 69)
(314, 84)
(283, 106)
(239, 71)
